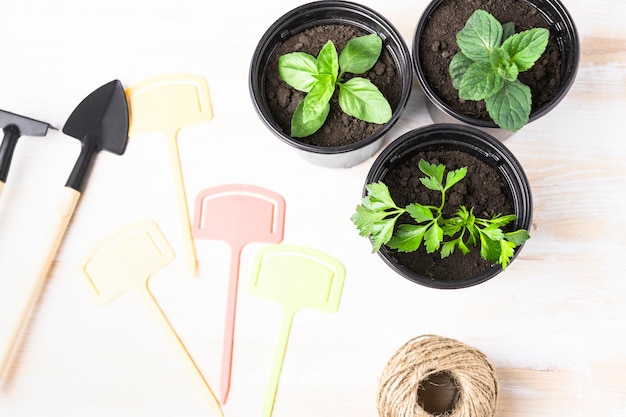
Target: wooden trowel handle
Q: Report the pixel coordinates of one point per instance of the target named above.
(41, 262)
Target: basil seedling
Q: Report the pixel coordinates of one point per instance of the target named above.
(319, 77)
(377, 215)
(491, 57)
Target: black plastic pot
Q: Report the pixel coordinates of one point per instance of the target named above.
(561, 27)
(469, 140)
(324, 13)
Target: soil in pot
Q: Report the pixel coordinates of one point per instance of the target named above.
(438, 46)
(482, 188)
(339, 128)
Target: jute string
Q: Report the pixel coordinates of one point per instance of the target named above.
(425, 356)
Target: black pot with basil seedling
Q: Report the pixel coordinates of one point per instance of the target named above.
(496, 67)
(446, 206)
(320, 77)
(330, 78)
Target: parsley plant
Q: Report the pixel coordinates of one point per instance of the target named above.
(318, 77)
(377, 215)
(491, 57)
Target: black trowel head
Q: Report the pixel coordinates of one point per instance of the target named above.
(25, 125)
(102, 116)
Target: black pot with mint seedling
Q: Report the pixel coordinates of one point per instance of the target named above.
(495, 64)
(446, 206)
(330, 78)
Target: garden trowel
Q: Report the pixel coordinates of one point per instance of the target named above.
(166, 104)
(100, 122)
(237, 214)
(296, 277)
(14, 127)
(125, 261)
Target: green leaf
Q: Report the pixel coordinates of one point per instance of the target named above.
(508, 71)
(377, 214)
(493, 232)
(508, 30)
(431, 183)
(408, 237)
(498, 57)
(381, 233)
(432, 170)
(510, 107)
(502, 220)
(365, 219)
(316, 100)
(359, 98)
(517, 237)
(506, 253)
(447, 248)
(464, 249)
(298, 69)
(458, 67)
(360, 54)
(468, 221)
(327, 61)
(474, 234)
(433, 236)
(379, 196)
(489, 249)
(455, 176)
(376, 206)
(301, 128)
(500, 61)
(480, 81)
(466, 216)
(452, 226)
(482, 32)
(526, 47)
(420, 213)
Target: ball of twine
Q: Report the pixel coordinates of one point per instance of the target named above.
(429, 355)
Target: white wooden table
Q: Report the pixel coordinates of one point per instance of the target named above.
(552, 324)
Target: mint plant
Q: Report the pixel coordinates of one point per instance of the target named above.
(377, 215)
(319, 77)
(491, 57)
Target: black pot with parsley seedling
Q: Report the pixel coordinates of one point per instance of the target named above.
(330, 78)
(446, 206)
(497, 64)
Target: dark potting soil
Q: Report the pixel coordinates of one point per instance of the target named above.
(339, 128)
(482, 188)
(438, 46)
